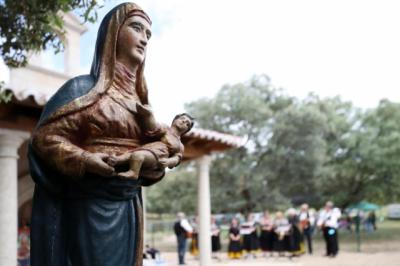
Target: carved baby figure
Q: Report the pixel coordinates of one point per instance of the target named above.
(166, 150)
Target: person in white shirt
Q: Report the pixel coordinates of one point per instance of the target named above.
(182, 229)
(328, 222)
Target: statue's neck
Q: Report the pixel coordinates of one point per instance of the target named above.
(123, 77)
(131, 67)
(121, 69)
(175, 131)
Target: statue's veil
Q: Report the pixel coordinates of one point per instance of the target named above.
(82, 91)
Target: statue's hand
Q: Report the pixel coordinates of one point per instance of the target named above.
(96, 164)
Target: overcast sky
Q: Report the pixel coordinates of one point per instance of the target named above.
(349, 48)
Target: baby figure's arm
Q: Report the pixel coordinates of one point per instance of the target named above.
(172, 161)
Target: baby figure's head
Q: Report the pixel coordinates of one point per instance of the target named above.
(183, 123)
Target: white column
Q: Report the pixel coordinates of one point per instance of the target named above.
(72, 52)
(144, 216)
(204, 207)
(9, 143)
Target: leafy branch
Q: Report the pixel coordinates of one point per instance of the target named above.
(34, 25)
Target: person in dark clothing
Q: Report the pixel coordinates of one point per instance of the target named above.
(182, 228)
(296, 247)
(151, 252)
(267, 234)
(235, 247)
(250, 239)
(282, 230)
(215, 239)
(371, 221)
(306, 225)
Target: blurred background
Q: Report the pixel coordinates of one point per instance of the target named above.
(295, 102)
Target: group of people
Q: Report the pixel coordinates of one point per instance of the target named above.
(286, 235)
(281, 234)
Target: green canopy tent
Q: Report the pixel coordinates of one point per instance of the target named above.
(364, 206)
(361, 206)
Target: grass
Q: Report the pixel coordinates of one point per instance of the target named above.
(385, 238)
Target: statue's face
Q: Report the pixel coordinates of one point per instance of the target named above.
(132, 40)
(182, 123)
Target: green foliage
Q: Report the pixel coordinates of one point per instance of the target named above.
(366, 164)
(176, 192)
(247, 110)
(300, 151)
(309, 150)
(331, 180)
(5, 96)
(34, 25)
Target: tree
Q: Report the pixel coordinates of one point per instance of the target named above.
(323, 128)
(34, 25)
(240, 176)
(375, 153)
(309, 150)
(176, 192)
(362, 155)
(298, 152)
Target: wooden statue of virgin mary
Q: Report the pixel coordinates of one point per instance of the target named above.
(83, 214)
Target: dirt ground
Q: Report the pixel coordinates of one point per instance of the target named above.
(381, 248)
(344, 258)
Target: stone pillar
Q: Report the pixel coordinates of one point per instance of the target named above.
(204, 208)
(72, 52)
(144, 200)
(73, 31)
(10, 141)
